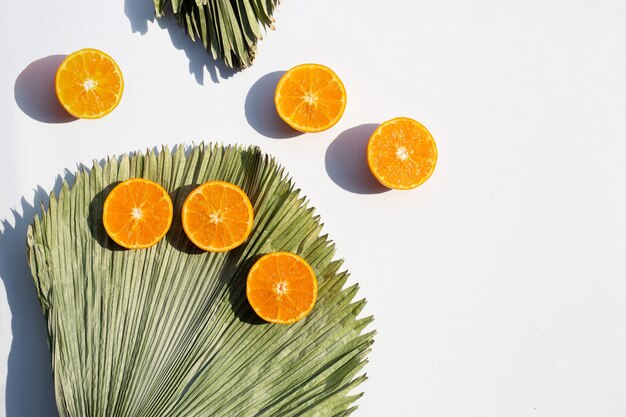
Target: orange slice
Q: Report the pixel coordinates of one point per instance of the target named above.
(401, 153)
(310, 98)
(89, 84)
(281, 288)
(217, 216)
(137, 213)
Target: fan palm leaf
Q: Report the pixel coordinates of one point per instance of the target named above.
(228, 29)
(167, 331)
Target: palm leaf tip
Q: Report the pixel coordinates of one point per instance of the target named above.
(167, 331)
(228, 29)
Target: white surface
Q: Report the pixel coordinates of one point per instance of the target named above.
(499, 286)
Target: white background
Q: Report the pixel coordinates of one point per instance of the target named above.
(499, 286)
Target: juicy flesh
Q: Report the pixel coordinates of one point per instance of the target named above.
(89, 84)
(217, 216)
(137, 214)
(402, 154)
(282, 288)
(311, 98)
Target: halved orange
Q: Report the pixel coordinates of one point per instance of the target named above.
(89, 84)
(137, 213)
(281, 287)
(310, 98)
(217, 216)
(401, 153)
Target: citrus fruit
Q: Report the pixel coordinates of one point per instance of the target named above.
(217, 216)
(401, 153)
(281, 288)
(137, 213)
(89, 84)
(310, 98)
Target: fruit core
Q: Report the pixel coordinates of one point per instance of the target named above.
(281, 288)
(309, 98)
(402, 153)
(137, 213)
(89, 84)
(216, 217)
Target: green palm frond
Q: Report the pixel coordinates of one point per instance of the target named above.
(228, 29)
(167, 331)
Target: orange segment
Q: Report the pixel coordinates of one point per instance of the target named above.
(89, 84)
(281, 288)
(310, 98)
(401, 153)
(137, 213)
(217, 216)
